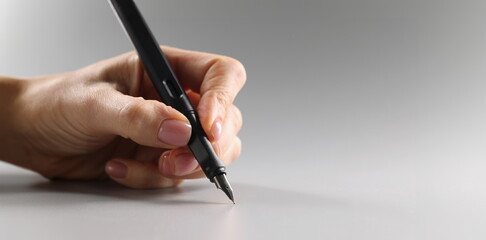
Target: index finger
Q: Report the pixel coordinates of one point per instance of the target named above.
(217, 79)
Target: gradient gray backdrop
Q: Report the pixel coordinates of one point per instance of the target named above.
(363, 119)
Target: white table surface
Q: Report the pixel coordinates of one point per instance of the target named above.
(334, 201)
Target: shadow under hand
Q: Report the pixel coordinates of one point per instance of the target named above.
(35, 187)
(33, 190)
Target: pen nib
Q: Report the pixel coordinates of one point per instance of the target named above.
(222, 183)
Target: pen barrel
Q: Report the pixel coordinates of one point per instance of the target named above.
(166, 83)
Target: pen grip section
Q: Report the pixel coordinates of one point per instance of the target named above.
(202, 149)
(173, 95)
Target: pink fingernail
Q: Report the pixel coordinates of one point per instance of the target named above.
(116, 169)
(185, 163)
(217, 130)
(175, 132)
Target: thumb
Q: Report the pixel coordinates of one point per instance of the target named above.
(147, 122)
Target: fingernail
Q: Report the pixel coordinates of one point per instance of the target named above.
(116, 169)
(175, 132)
(185, 163)
(217, 130)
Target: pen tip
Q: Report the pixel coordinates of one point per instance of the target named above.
(230, 196)
(229, 193)
(222, 183)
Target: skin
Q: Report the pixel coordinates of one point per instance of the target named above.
(103, 120)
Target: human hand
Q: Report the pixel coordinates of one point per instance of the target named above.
(105, 119)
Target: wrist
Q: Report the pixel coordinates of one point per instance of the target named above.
(11, 90)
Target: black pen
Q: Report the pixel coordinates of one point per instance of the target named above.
(170, 91)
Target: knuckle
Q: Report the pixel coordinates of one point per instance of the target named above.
(93, 100)
(134, 115)
(163, 110)
(240, 72)
(133, 59)
(132, 72)
(237, 68)
(222, 97)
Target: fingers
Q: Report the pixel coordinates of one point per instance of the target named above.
(138, 174)
(213, 81)
(221, 85)
(217, 79)
(181, 164)
(231, 125)
(178, 163)
(147, 122)
(124, 72)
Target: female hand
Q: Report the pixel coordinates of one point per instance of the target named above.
(105, 119)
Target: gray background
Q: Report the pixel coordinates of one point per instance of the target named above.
(364, 119)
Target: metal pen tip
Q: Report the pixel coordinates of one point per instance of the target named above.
(222, 183)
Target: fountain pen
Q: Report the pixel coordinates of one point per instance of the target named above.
(170, 91)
